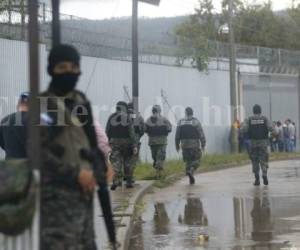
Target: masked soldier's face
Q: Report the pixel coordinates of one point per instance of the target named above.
(65, 77)
(66, 68)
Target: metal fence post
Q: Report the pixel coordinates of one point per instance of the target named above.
(34, 76)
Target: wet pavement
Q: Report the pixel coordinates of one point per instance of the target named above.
(224, 211)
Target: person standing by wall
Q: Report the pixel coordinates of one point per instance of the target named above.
(291, 136)
(13, 130)
(280, 137)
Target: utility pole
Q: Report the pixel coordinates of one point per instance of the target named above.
(22, 10)
(34, 114)
(233, 86)
(135, 57)
(135, 51)
(55, 23)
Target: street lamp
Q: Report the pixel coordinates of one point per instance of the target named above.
(227, 29)
(223, 29)
(34, 115)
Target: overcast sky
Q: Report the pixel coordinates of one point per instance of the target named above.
(100, 9)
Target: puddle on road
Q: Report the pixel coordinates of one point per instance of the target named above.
(261, 222)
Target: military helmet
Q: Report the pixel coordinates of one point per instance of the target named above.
(256, 109)
(156, 109)
(122, 106)
(189, 111)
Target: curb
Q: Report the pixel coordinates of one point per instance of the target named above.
(124, 233)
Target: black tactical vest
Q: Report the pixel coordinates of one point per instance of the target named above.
(119, 128)
(258, 128)
(157, 128)
(188, 130)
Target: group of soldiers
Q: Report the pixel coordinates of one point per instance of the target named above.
(72, 165)
(125, 129)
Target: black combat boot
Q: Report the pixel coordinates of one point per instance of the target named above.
(192, 178)
(129, 182)
(266, 182)
(154, 164)
(115, 184)
(113, 187)
(257, 181)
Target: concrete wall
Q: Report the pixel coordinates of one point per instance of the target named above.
(278, 96)
(104, 80)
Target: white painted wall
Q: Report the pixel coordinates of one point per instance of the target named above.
(106, 78)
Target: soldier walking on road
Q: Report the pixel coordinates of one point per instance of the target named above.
(139, 130)
(258, 128)
(190, 137)
(120, 132)
(158, 127)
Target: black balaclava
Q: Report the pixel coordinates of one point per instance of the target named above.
(62, 84)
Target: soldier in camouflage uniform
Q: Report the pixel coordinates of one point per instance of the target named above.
(120, 132)
(67, 177)
(139, 130)
(258, 127)
(158, 127)
(191, 138)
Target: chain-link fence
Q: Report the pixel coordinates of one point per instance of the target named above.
(91, 40)
(87, 36)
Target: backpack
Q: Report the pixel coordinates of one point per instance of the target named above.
(17, 196)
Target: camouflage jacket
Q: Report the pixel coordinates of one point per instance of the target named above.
(63, 139)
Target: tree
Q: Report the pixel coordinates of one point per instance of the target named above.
(254, 25)
(292, 27)
(192, 35)
(259, 26)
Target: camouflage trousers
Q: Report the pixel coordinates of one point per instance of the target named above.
(67, 220)
(259, 157)
(158, 155)
(191, 157)
(135, 159)
(123, 161)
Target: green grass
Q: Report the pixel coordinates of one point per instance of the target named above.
(175, 169)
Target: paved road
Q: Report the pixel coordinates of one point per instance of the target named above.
(227, 207)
